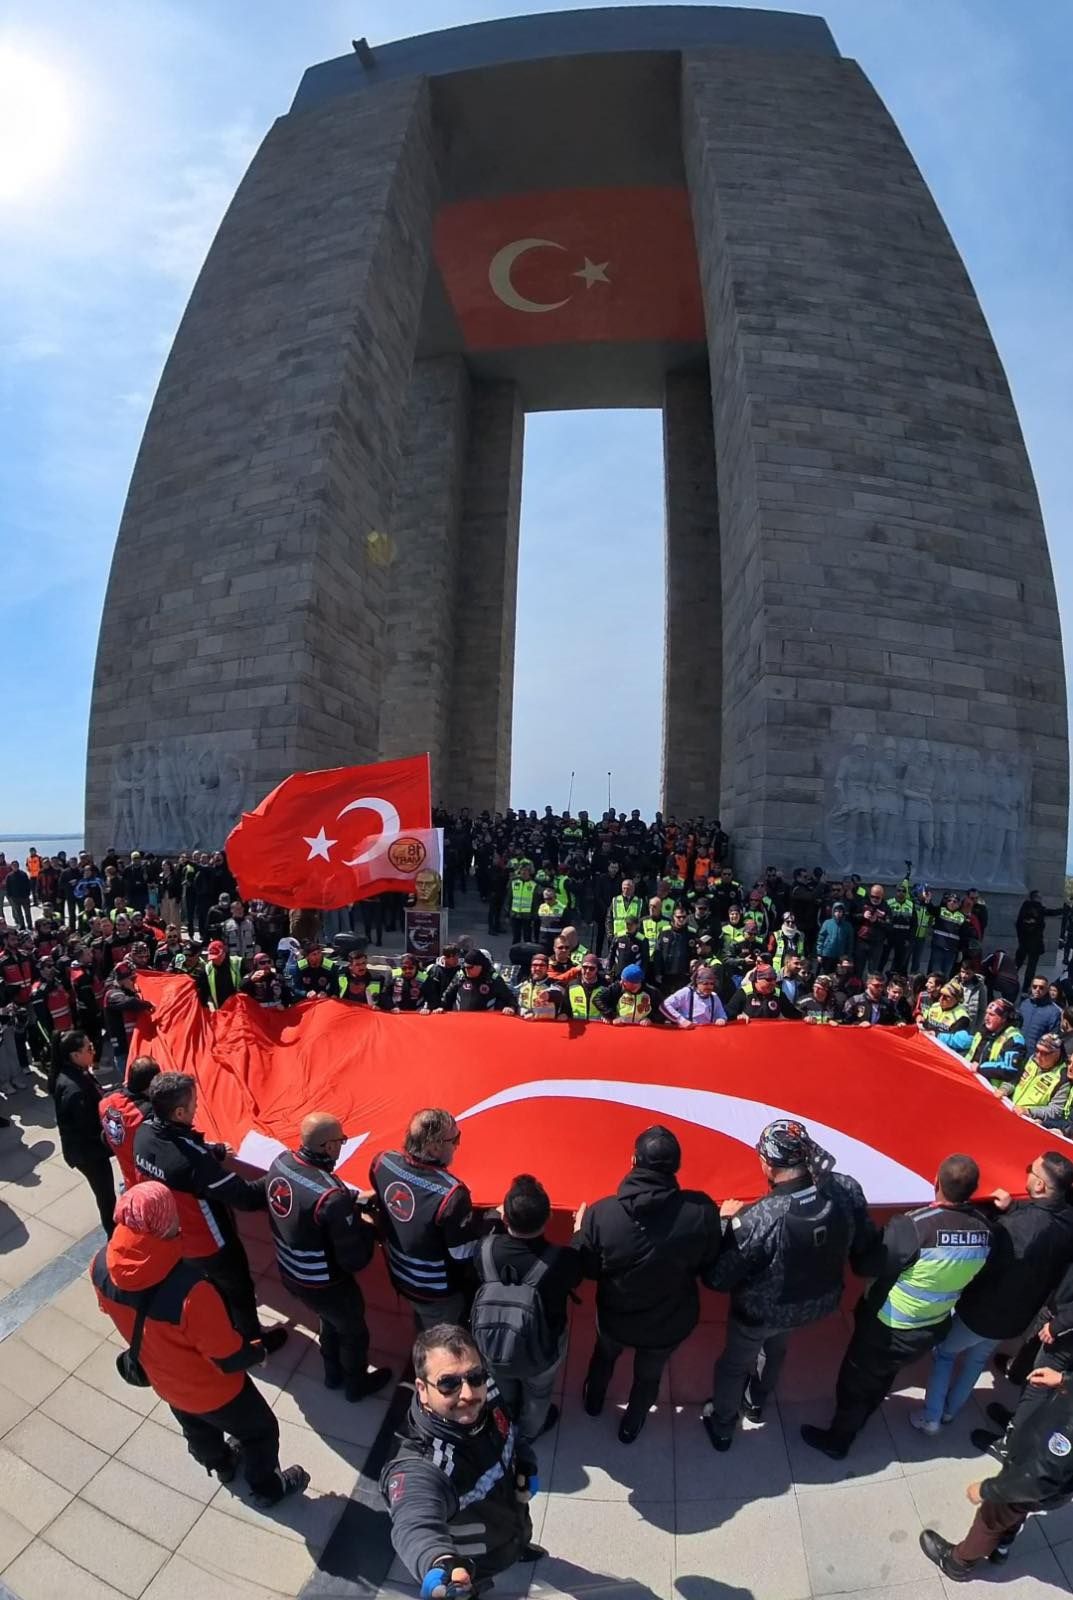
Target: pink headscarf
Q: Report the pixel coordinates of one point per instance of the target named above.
(147, 1208)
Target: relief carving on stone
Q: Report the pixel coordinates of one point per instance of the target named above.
(174, 795)
(957, 813)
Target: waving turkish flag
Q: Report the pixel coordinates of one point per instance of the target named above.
(569, 266)
(326, 839)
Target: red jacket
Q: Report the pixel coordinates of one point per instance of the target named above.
(191, 1353)
(122, 1114)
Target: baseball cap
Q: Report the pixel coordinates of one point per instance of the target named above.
(123, 969)
(658, 1148)
(262, 960)
(1049, 1041)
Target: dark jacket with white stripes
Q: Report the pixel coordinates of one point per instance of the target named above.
(317, 1223)
(204, 1190)
(453, 1492)
(427, 1224)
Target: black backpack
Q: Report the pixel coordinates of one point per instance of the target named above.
(508, 1320)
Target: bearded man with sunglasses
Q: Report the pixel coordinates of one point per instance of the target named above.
(459, 1486)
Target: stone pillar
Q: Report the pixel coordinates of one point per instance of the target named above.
(420, 628)
(243, 628)
(486, 602)
(894, 680)
(693, 649)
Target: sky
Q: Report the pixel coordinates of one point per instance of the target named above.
(124, 130)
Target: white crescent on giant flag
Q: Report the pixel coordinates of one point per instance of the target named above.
(390, 825)
(566, 1100)
(499, 275)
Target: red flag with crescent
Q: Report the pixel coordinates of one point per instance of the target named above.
(569, 1098)
(572, 266)
(326, 839)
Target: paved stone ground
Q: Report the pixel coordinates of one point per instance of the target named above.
(99, 1500)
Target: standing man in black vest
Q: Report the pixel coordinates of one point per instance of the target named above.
(323, 1236)
(427, 1222)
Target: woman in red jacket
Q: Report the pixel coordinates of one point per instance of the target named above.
(190, 1352)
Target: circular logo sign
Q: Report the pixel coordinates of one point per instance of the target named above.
(280, 1197)
(114, 1131)
(406, 854)
(399, 1199)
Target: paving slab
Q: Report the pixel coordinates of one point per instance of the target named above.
(308, 1518)
(99, 1371)
(622, 1541)
(28, 1374)
(63, 1340)
(79, 1302)
(41, 1245)
(230, 1547)
(307, 1403)
(872, 1457)
(142, 1503)
(755, 1547)
(591, 1464)
(839, 1558)
(1036, 1575)
(90, 1414)
(55, 1451)
(756, 1464)
(99, 1544)
(28, 1494)
(42, 1572)
(12, 1410)
(162, 1454)
(14, 1537)
(939, 1496)
(180, 1579)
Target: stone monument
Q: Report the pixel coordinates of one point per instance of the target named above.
(701, 209)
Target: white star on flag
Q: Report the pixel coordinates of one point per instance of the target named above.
(593, 272)
(319, 845)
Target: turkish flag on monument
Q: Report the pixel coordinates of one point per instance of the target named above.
(570, 266)
(311, 841)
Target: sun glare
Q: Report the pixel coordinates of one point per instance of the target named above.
(34, 122)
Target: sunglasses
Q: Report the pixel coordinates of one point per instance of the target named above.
(451, 1382)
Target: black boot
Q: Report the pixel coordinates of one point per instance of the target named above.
(371, 1382)
(824, 1440)
(941, 1551)
(717, 1435)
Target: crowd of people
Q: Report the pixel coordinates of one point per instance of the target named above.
(620, 923)
(490, 1295)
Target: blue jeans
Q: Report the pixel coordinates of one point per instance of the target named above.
(942, 960)
(943, 1398)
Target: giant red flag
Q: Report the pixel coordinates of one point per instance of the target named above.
(570, 266)
(566, 1100)
(319, 838)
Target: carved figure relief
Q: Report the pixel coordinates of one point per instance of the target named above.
(958, 815)
(174, 795)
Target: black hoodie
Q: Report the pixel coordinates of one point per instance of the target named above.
(645, 1246)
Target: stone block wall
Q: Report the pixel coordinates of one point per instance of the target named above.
(243, 629)
(885, 572)
(693, 634)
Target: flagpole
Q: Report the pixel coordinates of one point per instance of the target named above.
(609, 791)
(570, 794)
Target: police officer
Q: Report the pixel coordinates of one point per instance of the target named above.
(426, 1217)
(920, 1264)
(1037, 1475)
(323, 1236)
(459, 1485)
(784, 1261)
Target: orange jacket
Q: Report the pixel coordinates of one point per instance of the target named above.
(191, 1353)
(121, 1117)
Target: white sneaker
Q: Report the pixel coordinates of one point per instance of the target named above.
(921, 1420)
